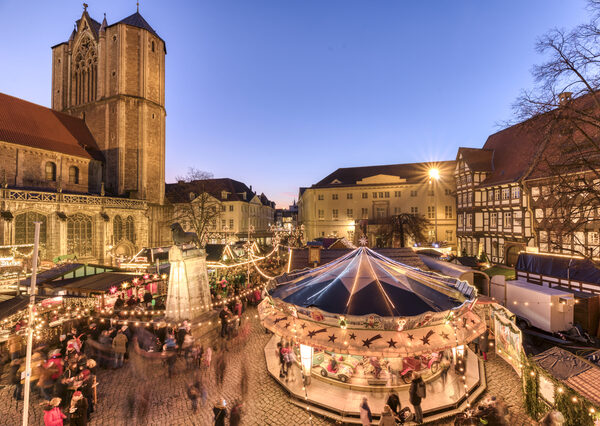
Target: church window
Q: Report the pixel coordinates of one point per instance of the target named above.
(85, 72)
(117, 229)
(153, 46)
(130, 229)
(50, 171)
(79, 235)
(73, 174)
(25, 227)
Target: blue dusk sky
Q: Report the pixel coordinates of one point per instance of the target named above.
(280, 93)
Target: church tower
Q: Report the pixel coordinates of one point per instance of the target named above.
(113, 76)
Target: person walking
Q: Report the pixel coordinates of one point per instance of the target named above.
(52, 414)
(484, 343)
(387, 417)
(445, 367)
(365, 412)
(416, 394)
(224, 317)
(14, 346)
(220, 413)
(78, 410)
(119, 345)
(193, 394)
(15, 378)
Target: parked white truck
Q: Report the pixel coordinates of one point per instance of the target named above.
(549, 309)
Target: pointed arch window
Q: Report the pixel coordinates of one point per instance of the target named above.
(117, 228)
(85, 72)
(25, 227)
(130, 229)
(79, 235)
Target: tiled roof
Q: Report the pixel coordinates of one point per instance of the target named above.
(94, 25)
(180, 192)
(35, 126)
(138, 21)
(478, 160)
(412, 172)
(587, 384)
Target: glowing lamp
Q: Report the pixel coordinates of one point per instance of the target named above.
(434, 173)
(306, 357)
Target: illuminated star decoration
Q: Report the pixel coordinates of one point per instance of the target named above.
(332, 338)
(444, 335)
(425, 339)
(363, 241)
(410, 337)
(391, 343)
(287, 324)
(303, 326)
(352, 336)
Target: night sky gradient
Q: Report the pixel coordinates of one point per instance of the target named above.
(280, 93)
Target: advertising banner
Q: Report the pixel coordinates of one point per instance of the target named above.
(509, 340)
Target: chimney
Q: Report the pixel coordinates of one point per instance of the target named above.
(564, 97)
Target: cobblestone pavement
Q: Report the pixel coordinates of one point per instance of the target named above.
(121, 393)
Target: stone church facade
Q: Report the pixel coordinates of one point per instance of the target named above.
(92, 168)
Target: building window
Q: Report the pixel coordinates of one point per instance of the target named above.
(223, 207)
(515, 192)
(374, 195)
(497, 194)
(593, 238)
(365, 195)
(117, 229)
(351, 235)
(334, 214)
(153, 46)
(380, 212)
(430, 212)
(448, 212)
(413, 193)
(447, 191)
(430, 193)
(349, 196)
(79, 235)
(73, 175)
(493, 220)
(334, 196)
(223, 223)
(130, 229)
(414, 210)
(469, 197)
(507, 219)
(460, 221)
(506, 193)
(349, 213)
(387, 194)
(397, 194)
(231, 224)
(231, 207)
(365, 213)
(25, 227)
(320, 197)
(397, 210)
(50, 171)
(449, 235)
(469, 220)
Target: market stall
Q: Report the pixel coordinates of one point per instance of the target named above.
(366, 322)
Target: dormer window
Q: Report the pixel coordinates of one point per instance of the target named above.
(224, 195)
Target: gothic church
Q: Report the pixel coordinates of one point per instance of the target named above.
(92, 168)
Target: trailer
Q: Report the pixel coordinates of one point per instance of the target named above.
(546, 308)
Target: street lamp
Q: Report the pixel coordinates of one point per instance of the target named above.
(434, 175)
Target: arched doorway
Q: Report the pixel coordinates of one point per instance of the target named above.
(477, 279)
(512, 254)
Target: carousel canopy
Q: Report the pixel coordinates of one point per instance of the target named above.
(364, 282)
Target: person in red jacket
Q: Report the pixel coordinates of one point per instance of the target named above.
(52, 414)
(56, 361)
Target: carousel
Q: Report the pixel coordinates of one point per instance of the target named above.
(363, 325)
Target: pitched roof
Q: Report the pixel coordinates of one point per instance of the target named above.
(138, 21)
(412, 172)
(478, 160)
(35, 126)
(180, 192)
(94, 25)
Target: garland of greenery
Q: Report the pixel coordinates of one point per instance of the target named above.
(576, 410)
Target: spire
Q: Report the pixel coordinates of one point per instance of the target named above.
(85, 6)
(104, 24)
(138, 6)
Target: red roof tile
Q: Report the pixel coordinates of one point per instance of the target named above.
(587, 384)
(35, 126)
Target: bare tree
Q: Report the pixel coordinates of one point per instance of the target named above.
(563, 110)
(197, 209)
(395, 230)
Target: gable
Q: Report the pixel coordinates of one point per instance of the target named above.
(381, 178)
